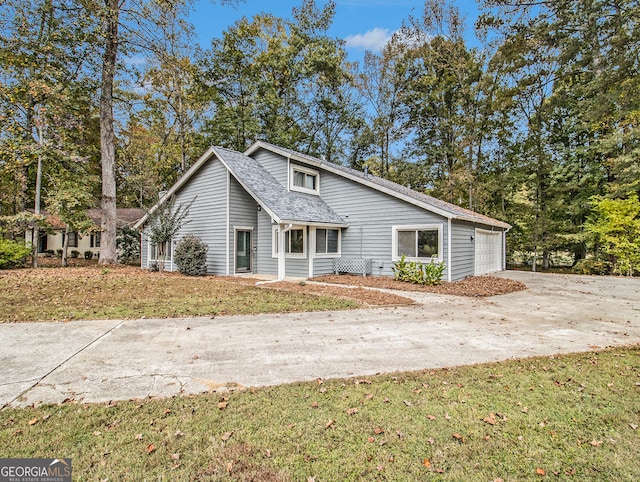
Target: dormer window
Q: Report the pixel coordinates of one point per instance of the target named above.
(303, 179)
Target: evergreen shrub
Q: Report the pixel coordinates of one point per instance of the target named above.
(191, 256)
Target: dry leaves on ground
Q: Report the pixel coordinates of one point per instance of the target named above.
(473, 286)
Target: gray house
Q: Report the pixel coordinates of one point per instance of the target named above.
(274, 211)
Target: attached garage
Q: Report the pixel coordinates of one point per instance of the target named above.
(489, 254)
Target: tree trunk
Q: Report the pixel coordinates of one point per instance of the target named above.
(65, 245)
(107, 135)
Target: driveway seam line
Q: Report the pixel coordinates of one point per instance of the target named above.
(73, 355)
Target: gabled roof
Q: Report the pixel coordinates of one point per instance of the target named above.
(430, 203)
(284, 206)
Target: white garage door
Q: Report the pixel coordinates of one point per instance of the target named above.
(488, 252)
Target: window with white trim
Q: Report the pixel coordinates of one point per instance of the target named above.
(327, 242)
(419, 242)
(295, 242)
(303, 179)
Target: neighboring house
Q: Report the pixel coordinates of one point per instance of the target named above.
(274, 211)
(53, 240)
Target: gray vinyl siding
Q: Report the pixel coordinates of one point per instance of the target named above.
(208, 214)
(243, 212)
(144, 250)
(275, 164)
(371, 215)
(462, 250)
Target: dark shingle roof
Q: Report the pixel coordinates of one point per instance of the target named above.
(454, 211)
(282, 204)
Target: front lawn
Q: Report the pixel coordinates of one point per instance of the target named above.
(569, 417)
(126, 292)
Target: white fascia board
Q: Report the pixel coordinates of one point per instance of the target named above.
(313, 223)
(179, 183)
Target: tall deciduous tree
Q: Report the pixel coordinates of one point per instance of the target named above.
(134, 27)
(284, 81)
(45, 109)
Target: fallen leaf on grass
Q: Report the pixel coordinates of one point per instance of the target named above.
(426, 463)
(222, 405)
(371, 439)
(431, 417)
(459, 437)
(596, 443)
(150, 448)
(314, 404)
(175, 456)
(380, 468)
(378, 431)
(267, 453)
(167, 411)
(329, 424)
(138, 436)
(226, 436)
(408, 403)
(229, 467)
(33, 421)
(633, 426)
(540, 471)
(490, 420)
(177, 434)
(351, 411)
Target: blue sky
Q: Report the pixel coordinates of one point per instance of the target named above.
(363, 24)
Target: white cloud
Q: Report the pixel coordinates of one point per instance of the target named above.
(373, 39)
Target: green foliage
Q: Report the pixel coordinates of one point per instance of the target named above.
(166, 220)
(615, 226)
(418, 273)
(191, 256)
(13, 253)
(128, 245)
(75, 253)
(592, 266)
(88, 254)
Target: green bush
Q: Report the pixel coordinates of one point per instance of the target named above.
(13, 253)
(59, 252)
(417, 272)
(88, 254)
(128, 245)
(75, 253)
(191, 256)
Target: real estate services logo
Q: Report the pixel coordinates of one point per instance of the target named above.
(35, 470)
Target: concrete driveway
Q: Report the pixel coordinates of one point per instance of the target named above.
(96, 361)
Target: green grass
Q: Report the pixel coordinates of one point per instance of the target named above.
(575, 417)
(96, 293)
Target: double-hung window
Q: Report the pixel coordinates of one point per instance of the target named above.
(303, 179)
(295, 240)
(420, 242)
(327, 241)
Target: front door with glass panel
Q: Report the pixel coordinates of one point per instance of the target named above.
(243, 251)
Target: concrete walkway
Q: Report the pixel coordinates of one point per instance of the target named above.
(97, 361)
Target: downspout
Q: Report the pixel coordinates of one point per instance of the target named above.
(312, 248)
(282, 267)
(449, 249)
(228, 226)
(289, 172)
